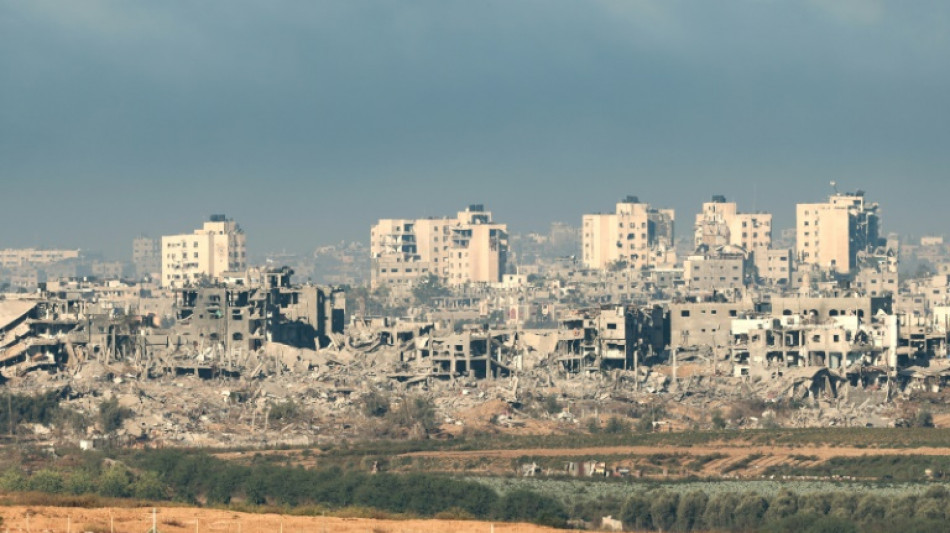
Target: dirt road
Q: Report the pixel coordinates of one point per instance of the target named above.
(36, 519)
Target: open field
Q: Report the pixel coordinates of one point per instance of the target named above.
(710, 454)
(186, 520)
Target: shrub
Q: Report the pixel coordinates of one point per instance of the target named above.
(12, 480)
(375, 404)
(111, 415)
(924, 419)
(551, 405)
(533, 507)
(615, 424)
(80, 482)
(47, 481)
(412, 411)
(718, 422)
(148, 487)
(286, 411)
(114, 483)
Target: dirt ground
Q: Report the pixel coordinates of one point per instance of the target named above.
(823, 452)
(184, 520)
(768, 455)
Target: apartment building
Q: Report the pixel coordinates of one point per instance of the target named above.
(470, 248)
(720, 224)
(217, 247)
(831, 234)
(635, 235)
(146, 256)
(17, 257)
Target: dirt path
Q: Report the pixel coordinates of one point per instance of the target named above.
(36, 519)
(822, 452)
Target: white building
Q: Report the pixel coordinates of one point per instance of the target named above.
(635, 235)
(218, 247)
(469, 248)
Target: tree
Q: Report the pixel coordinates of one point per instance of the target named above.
(111, 415)
(718, 421)
(46, 480)
(527, 505)
(428, 289)
(148, 487)
(636, 512)
(615, 424)
(689, 516)
(551, 405)
(783, 504)
(720, 511)
(375, 404)
(663, 510)
(750, 512)
(924, 419)
(114, 483)
(414, 411)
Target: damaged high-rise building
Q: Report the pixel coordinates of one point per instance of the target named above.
(470, 248)
(833, 233)
(635, 235)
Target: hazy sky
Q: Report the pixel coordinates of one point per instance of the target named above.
(306, 120)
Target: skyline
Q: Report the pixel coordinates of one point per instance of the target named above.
(306, 122)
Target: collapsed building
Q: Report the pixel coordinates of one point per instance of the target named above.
(214, 328)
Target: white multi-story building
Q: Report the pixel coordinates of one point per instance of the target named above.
(831, 234)
(17, 257)
(218, 247)
(635, 235)
(469, 248)
(720, 224)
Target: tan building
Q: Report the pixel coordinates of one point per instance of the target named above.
(218, 247)
(16, 257)
(636, 235)
(774, 267)
(720, 224)
(831, 234)
(721, 272)
(469, 248)
(146, 256)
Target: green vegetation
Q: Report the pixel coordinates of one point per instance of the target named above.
(174, 475)
(111, 415)
(428, 289)
(899, 438)
(41, 408)
(878, 467)
(552, 406)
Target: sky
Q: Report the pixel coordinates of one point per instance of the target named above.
(307, 120)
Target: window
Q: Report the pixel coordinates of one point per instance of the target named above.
(684, 313)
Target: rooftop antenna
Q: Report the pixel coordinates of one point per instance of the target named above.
(834, 185)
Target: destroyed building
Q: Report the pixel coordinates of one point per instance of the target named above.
(241, 318)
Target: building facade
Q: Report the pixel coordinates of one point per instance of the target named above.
(470, 248)
(635, 235)
(146, 256)
(831, 234)
(17, 257)
(207, 253)
(720, 224)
